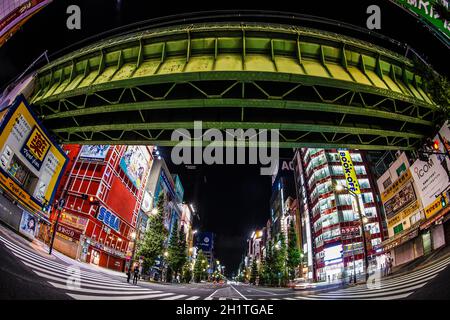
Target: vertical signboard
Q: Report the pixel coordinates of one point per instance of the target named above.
(31, 163)
(349, 171)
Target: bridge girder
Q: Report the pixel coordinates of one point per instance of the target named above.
(319, 89)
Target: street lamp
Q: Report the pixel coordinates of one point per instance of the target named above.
(362, 221)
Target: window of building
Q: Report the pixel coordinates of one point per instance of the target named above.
(348, 215)
(387, 182)
(360, 170)
(415, 218)
(364, 184)
(367, 197)
(356, 157)
(376, 241)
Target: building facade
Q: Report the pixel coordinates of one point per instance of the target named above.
(102, 193)
(332, 241)
(412, 193)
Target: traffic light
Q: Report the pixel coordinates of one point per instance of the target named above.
(93, 200)
(84, 196)
(443, 201)
(436, 145)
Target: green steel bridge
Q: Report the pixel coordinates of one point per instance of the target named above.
(318, 88)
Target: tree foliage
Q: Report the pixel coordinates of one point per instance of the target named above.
(200, 267)
(293, 252)
(177, 251)
(153, 244)
(254, 272)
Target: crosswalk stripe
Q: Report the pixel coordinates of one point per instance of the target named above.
(135, 297)
(93, 286)
(63, 277)
(84, 284)
(208, 298)
(180, 296)
(30, 255)
(412, 280)
(222, 298)
(383, 288)
(369, 294)
(65, 273)
(104, 291)
(288, 299)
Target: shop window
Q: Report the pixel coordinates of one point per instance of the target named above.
(22, 175)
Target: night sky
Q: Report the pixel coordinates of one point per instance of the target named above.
(232, 200)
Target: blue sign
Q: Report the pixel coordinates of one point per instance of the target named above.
(205, 241)
(108, 218)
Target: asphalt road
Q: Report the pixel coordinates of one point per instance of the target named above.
(28, 272)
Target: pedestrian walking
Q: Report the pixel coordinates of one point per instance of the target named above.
(129, 274)
(136, 275)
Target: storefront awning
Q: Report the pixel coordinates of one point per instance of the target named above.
(399, 239)
(431, 221)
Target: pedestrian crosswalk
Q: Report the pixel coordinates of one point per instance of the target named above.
(83, 284)
(393, 288)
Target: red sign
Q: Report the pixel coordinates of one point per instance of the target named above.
(68, 232)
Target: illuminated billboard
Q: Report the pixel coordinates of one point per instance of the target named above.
(31, 164)
(425, 10)
(135, 164)
(349, 171)
(94, 152)
(14, 13)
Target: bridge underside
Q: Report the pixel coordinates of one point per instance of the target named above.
(318, 89)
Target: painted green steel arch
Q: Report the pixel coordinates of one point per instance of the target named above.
(318, 88)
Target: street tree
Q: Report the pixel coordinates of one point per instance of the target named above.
(267, 273)
(254, 272)
(280, 257)
(153, 244)
(293, 252)
(200, 267)
(177, 251)
(186, 273)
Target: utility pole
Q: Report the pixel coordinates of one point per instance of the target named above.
(60, 205)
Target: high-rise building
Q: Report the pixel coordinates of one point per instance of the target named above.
(283, 187)
(332, 241)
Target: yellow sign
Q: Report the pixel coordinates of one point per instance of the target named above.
(435, 207)
(31, 164)
(38, 144)
(21, 195)
(349, 171)
(396, 186)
